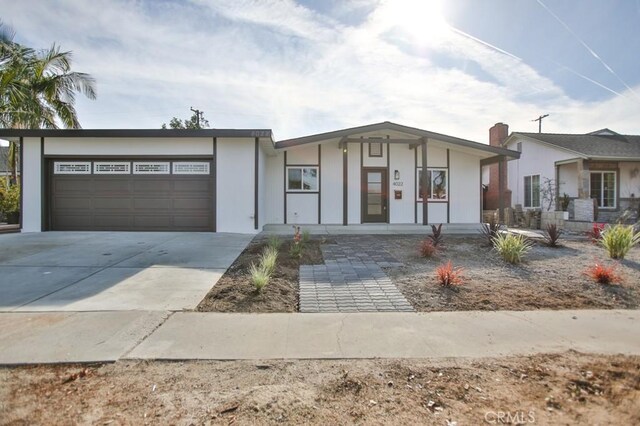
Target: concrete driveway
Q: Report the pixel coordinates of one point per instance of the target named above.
(112, 271)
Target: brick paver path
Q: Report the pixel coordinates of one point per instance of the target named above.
(351, 280)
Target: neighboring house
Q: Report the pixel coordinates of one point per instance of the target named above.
(603, 166)
(240, 180)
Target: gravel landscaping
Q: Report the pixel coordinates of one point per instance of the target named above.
(548, 278)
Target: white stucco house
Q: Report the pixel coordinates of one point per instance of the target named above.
(603, 166)
(239, 180)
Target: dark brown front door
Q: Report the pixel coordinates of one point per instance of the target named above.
(374, 196)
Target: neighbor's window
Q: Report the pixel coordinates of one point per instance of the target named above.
(436, 184)
(302, 178)
(375, 149)
(532, 191)
(603, 189)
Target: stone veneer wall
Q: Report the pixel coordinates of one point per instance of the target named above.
(583, 210)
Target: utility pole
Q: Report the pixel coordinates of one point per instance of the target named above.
(199, 114)
(539, 120)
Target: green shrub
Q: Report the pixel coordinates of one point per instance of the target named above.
(306, 236)
(511, 247)
(9, 198)
(618, 240)
(274, 242)
(268, 259)
(259, 277)
(295, 250)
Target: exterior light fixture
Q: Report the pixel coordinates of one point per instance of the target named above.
(396, 175)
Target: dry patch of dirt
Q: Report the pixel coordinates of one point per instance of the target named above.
(234, 292)
(570, 388)
(549, 278)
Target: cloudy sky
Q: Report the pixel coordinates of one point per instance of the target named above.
(454, 67)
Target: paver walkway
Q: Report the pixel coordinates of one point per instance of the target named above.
(352, 279)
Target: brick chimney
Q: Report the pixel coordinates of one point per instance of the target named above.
(497, 135)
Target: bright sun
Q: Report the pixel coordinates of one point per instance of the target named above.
(423, 19)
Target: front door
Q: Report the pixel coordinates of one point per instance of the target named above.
(374, 195)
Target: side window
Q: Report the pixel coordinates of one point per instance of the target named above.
(302, 179)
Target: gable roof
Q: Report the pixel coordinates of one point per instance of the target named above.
(600, 144)
(389, 126)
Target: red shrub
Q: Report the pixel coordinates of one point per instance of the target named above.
(596, 232)
(603, 274)
(448, 275)
(427, 249)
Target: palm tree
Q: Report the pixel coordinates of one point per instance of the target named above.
(38, 88)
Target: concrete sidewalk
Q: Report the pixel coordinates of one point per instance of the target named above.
(191, 335)
(61, 337)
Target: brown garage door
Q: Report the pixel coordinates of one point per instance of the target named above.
(135, 195)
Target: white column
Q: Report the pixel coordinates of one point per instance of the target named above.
(31, 185)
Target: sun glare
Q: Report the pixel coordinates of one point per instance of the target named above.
(422, 19)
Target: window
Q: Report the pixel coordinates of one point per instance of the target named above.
(72, 168)
(191, 168)
(302, 179)
(375, 149)
(532, 191)
(111, 167)
(603, 189)
(150, 168)
(436, 184)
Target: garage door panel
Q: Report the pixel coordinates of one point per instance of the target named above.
(112, 221)
(191, 221)
(109, 184)
(152, 203)
(193, 185)
(152, 222)
(72, 203)
(121, 202)
(72, 222)
(113, 203)
(203, 204)
(147, 185)
(65, 184)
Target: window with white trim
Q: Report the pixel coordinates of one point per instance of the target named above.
(190, 167)
(150, 168)
(437, 189)
(302, 179)
(532, 191)
(111, 167)
(603, 188)
(72, 167)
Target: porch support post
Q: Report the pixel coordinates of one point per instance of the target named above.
(501, 187)
(345, 184)
(424, 182)
(556, 206)
(583, 179)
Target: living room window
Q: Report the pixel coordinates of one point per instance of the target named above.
(603, 189)
(302, 179)
(532, 191)
(436, 185)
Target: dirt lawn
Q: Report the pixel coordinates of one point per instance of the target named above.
(549, 278)
(570, 388)
(234, 293)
